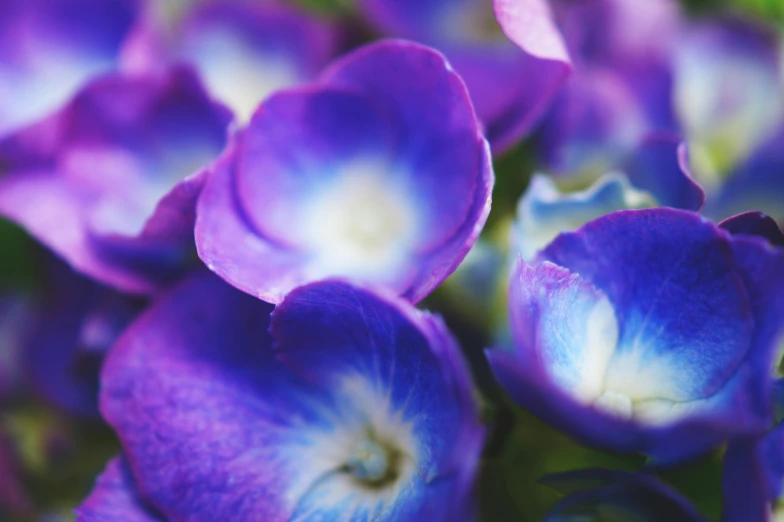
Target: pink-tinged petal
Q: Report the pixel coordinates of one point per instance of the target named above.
(530, 24)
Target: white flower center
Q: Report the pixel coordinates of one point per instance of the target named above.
(362, 224)
(616, 404)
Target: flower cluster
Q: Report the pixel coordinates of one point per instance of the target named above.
(224, 217)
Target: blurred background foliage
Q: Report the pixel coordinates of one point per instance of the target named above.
(61, 455)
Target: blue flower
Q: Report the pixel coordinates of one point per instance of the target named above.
(646, 330)
(342, 401)
(652, 176)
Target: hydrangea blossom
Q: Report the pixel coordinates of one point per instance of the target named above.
(72, 325)
(729, 79)
(621, 86)
(109, 182)
(756, 184)
(653, 176)
(243, 50)
(343, 403)
(511, 82)
(646, 330)
(51, 48)
(377, 172)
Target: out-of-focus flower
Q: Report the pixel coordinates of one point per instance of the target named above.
(620, 88)
(243, 49)
(729, 95)
(15, 317)
(511, 84)
(377, 172)
(646, 330)
(594, 495)
(341, 404)
(51, 48)
(73, 324)
(109, 183)
(653, 176)
(755, 185)
(14, 499)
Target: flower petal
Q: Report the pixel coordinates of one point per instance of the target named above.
(104, 183)
(115, 498)
(677, 298)
(258, 432)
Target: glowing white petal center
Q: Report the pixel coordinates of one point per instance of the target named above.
(616, 404)
(363, 224)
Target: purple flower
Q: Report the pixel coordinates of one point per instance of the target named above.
(646, 330)
(621, 87)
(753, 476)
(109, 183)
(729, 79)
(377, 172)
(342, 401)
(72, 325)
(51, 48)
(510, 85)
(242, 50)
(755, 184)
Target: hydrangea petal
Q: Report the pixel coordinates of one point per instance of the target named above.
(244, 51)
(255, 432)
(511, 82)
(109, 183)
(733, 400)
(756, 184)
(754, 224)
(595, 123)
(73, 324)
(728, 85)
(543, 212)
(115, 498)
(345, 178)
(650, 294)
(657, 166)
(50, 49)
